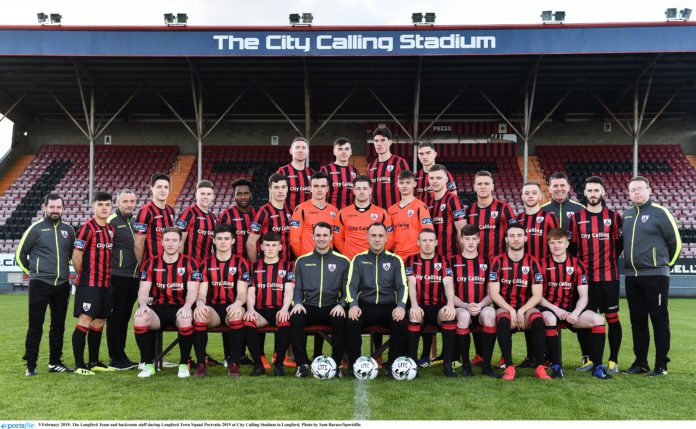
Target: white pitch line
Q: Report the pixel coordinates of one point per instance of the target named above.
(361, 404)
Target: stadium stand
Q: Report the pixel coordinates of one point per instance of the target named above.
(671, 176)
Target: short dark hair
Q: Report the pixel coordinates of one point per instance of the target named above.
(428, 231)
(318, 176)
(558, 175)
(426, 144)
(530, 183)
(158, 176)
(469, 229)
(515, 225)
(205, 184)
(405, 175)
(341, 141)
(270, 236)
(438, 167)
(241, 182)
(376, 224)
(171, 229)
(594, 179)
(53, 197)
(640, 179)
(277, 177)
(299, 139)
(362, 178)
(224, 227)
(322, 225)
(557, 233)
(483, 173)
(102, 196)
(382, 131)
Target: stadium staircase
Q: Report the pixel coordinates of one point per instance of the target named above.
(360, 162)
(692, 160)
(672, 178)
(179, 173)
(535, 173)
(15, 171)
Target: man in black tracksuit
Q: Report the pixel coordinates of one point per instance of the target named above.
(320, 280)
(561, 205)
(125, 279)
(44, 255)
(651, 246)
(376, 293)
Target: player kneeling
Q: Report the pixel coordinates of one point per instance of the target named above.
(221, 298)
(268, 301)
(565, 298)
(515, 288)
(472, 301)
(168, 290)
(430, 286)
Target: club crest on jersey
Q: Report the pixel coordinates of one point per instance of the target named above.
(390, 168)
(607, 222)
(150, 300)
(333, 214)
(282, 273)
(288, 215)
(644, 218)
(86, 306)
(494, 214)
(233, 271)
(570, 270)
(410, 213)
(373, 216)
(181, 271)
(438, 266)
(442, 207)
(525, 269)
(570, 214)
(64, 234)
(353, 175)
(483, 267)
(331, 267)
(386, 266)
(540, 219)
(111, 233)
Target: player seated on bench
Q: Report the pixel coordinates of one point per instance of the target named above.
(268, 302)
(221, 299)
(515, 288)
(168, 290)
(565, 278)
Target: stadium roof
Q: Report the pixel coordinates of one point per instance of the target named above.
(593, 62)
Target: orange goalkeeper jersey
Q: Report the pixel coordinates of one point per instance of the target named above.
(350, 228)
(304, 218)
(408, 223)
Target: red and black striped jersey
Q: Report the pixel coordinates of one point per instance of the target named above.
(561, 281)
(516, 278)
(269, 281)
(96, 243)
(423, 190)
(340, 184)
(470, 278)
(444, 212)
(298, 185)
(269, 218)
(200, 227)
(430, 275)
(599, 242)
(492, 221)
(222, 278)
(169, 281)
(241, 222)
(151, 221)
(385, 192)
(537, 226)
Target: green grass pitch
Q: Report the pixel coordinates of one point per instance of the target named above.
(122, 396)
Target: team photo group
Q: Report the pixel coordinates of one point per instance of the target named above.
(350, 252)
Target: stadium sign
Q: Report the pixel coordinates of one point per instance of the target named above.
(482, 40)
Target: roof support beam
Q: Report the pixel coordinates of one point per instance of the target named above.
(11, 108)
(326, 121)
(282, 112)
(416, 110)
(389, 112)
(442, 112)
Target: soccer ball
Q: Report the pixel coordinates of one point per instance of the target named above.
(323, 367)
(365, 368)
(404, 368)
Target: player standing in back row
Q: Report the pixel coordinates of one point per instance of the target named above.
(384, 170)
(491, 215)
(197, 225)
(152, 219)
(298, 173)
(341, 175)
(427, 156)
(596, 232)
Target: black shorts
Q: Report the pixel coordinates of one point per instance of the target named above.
(603, 296)
(166, 314)
(94, 302)
(269, 315)
(430, 313)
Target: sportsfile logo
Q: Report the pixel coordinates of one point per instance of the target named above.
(26, 425)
